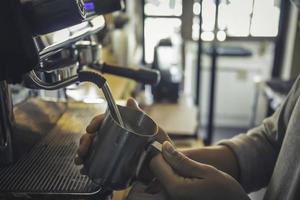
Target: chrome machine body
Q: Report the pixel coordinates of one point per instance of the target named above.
(48, 45)
(41, 41)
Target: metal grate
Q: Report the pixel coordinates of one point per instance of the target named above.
(49, 168)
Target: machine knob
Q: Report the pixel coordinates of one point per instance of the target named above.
(104, 6)
(45, 16)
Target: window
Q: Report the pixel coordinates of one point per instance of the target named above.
(154, 33)
(162, 20)
(246, 18)
(163, 7)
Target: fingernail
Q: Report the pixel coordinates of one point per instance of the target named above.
(87, 128)
(170, 148)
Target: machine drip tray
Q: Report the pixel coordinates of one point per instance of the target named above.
(48, 170)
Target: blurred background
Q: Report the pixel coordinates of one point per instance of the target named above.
(225, 64)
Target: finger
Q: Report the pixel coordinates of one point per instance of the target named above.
(78, 161)
(182, 164)
(132, 103)
(95, 124)
(162, 136)
(154, 187)
(86, 137)
(164, 173)
(85, 143)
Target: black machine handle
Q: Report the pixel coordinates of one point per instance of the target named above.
(143, 75)
(104, 6)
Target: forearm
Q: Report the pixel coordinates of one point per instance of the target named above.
(220, 157)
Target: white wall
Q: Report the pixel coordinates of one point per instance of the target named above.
(289, 48)
(236, 84)
(127, 41)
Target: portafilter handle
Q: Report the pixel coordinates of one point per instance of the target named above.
(143, 75)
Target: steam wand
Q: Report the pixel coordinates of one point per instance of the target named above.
(83, 76)
(100, 81)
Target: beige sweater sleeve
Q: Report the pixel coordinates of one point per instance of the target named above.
(257, 150)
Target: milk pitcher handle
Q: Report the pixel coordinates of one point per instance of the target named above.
(153, 149)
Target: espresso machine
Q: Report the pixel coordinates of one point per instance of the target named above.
(50, 45)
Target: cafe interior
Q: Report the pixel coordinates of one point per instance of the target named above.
(200, 70)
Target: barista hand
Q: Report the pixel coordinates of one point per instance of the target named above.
(87, 139)
(183, 178)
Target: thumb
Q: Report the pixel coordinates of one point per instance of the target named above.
(164, 172)
(132, 103)
(183, 165)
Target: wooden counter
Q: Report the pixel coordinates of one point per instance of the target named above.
(178, 119)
